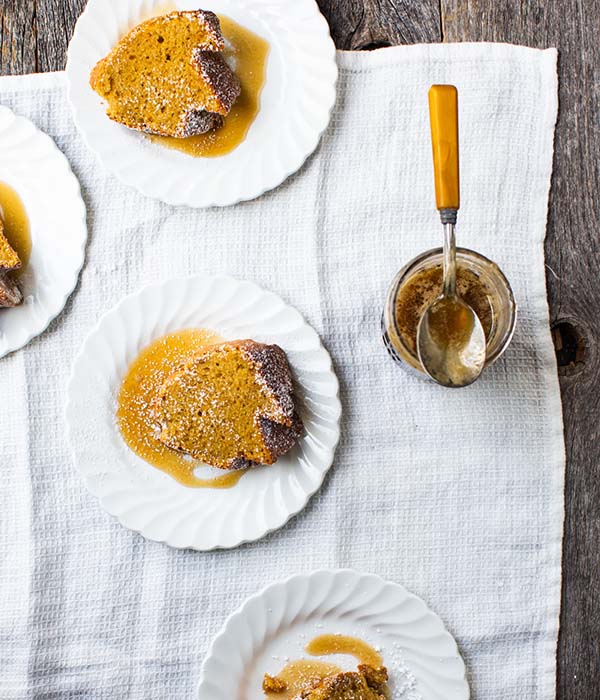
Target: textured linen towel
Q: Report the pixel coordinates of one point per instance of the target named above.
(455, 494)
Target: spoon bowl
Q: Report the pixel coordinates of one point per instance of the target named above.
(451, 342)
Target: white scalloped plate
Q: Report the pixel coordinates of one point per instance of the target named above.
(32, 165)
(276, 624)
(296, 102)
(149, 501)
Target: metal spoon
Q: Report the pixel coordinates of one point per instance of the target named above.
(450, 338)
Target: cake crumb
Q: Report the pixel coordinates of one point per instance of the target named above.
(272, 684)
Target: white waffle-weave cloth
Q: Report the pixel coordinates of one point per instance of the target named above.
(458, 495)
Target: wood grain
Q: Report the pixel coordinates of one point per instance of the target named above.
(34, 35)
(357, 25)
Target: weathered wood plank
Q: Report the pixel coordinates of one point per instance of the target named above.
(34, 34)
(55, 20)
(573, 259)
(359, 24)
(18, 32)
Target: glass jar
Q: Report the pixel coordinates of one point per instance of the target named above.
(480, 282)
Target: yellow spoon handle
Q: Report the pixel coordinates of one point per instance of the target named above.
(443, 116)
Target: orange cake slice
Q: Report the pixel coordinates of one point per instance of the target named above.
(10, 294)
(367, 683)
(167, 77)
(231, 407)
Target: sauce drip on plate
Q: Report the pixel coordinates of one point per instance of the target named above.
(143, 379)
(327, 644)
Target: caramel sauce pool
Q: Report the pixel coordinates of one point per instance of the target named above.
(145, 375)
(16, 225)
(418, 292)
(328, 644)
(249, 53)
(297, 674)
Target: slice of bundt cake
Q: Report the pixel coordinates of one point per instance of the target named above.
(10, 294)
(167, 77)
(231, 407)
(367, 683)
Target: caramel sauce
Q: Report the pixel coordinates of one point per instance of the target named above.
(297, 675)
(247, 53)
(328, 644)
(16, 225)
(450, 325)
(418, 292)
(143, 379)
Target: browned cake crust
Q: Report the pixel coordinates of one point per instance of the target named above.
(367, 683)
(167, 76)
(231, 407)
(10, 295)
(199, 122)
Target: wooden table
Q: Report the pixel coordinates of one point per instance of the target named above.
(34, 35)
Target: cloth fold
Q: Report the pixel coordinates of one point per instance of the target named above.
(458, 495)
